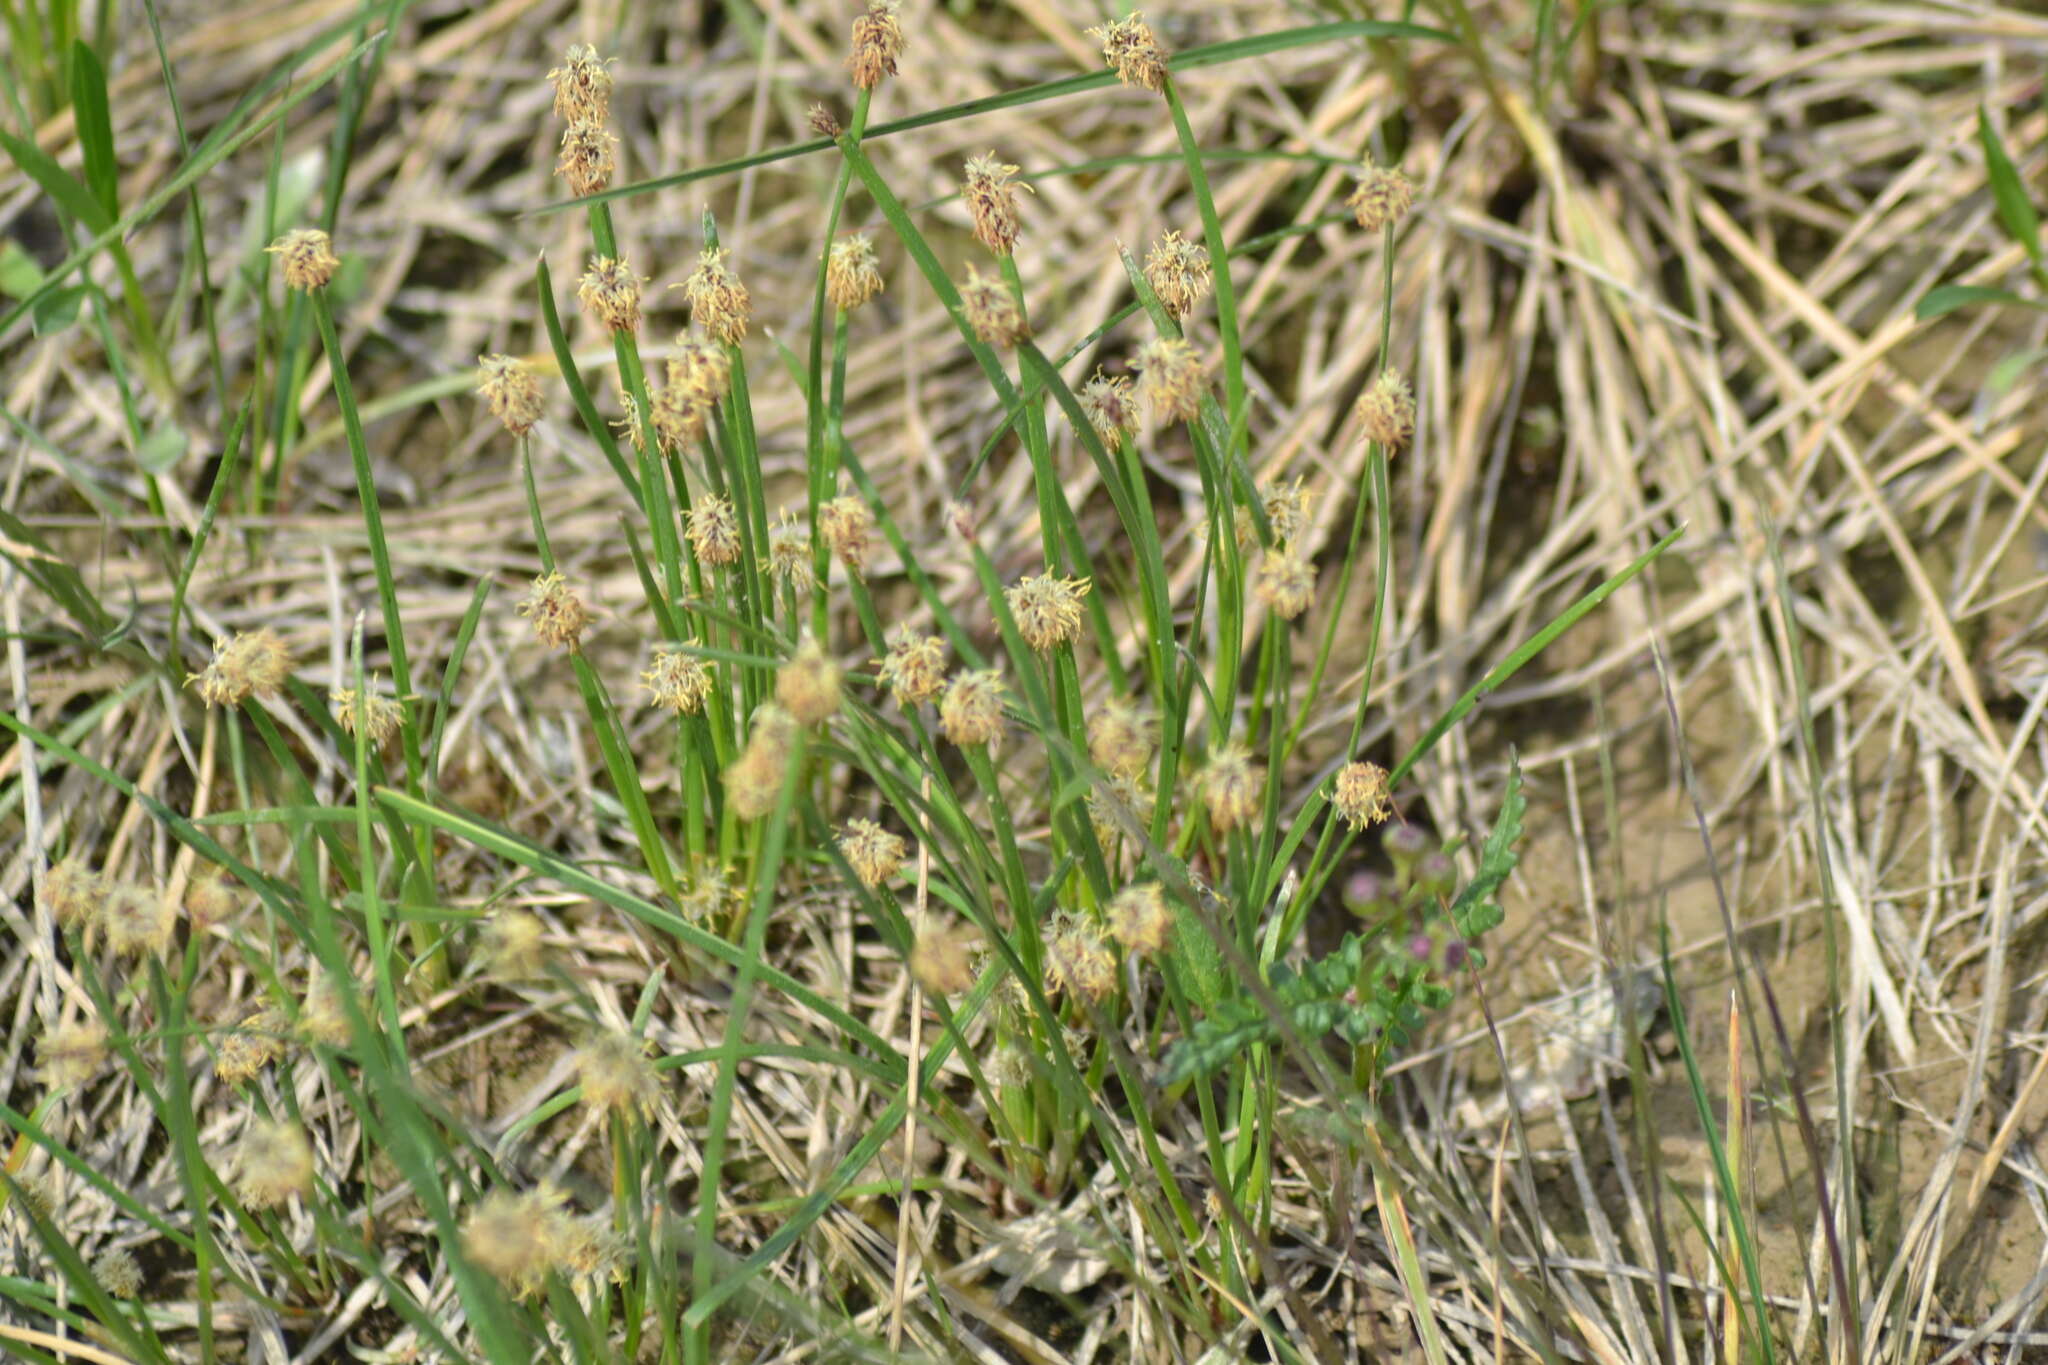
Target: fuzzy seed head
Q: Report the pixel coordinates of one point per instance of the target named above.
(714, 531)
(254, 663)
(847, 528)
(1139, 920)
(511, 945)
(273, 1163)
(511, 391)
(308, 258)
(915, 667)
(718, 301)
(753, 781)
(1048, 610)
(1120, 739)
(700, 369)
(558, 614)
(789, 551)
(117, 1272)
(323, 1017)
(1080, 963)
(1129, 46)
(514, 1237)
(71, 1054)
(1104, 800)
(378, 717)
(1360, 794)
(1172, 379)
(991, 310)
(1233, 788)
(1178, 271)
(628, 423)
(587, 160)
(972, 712)
(992, 203)
(1287, 583)
(1387, 411)
(852, 275)
(1382, 198)
(872, 852)
(808, 685)
(209, 901)
(877, 43)
(1106, 402)
(136, 920)
(679, 420)
(610, 292)
(678, 680)
(1289, 508)
(615, 1074)
(255, 1044)
(942, 959)
(708, 896)
(70, 894)
(583, 86)
(823, 121)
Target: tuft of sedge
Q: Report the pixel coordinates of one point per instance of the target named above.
(972, 711)
(914, 669)
(789, 551)
(615, 1075)
(511, 945)
(558, 614)
(1106, 402)
(1129, 46)
(307, 255)
(1172, 379)
(808, 685)
(719, 303)
(1233, 786)
(209, 901)
(877, 43)
(1179, 273)
(852, 274)
(1286, 583)
(1120, 739)
(991, 198)
(1386, 410)
(583, 86)
(252, 1045)
(700, 369)
(823, 122)
(872, 852)
(847, 528)
(71, 1054)
(1359, 795)
(323, 1017)
(71, 893)
(1139, 920)
(273, 1162)
(1079, 963)
(714, 531)
(610, 292)
(1047, 609)
(587, 161)
(1382, 198)
(991, 310)
(678, 680)
(136, 920)
(377, 717)
(254, 663)
(117, 1272)
(511, 391)
(515, 1238)
(942, 959)
(753, 781)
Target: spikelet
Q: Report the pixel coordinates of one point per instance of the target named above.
(1138, 918)
(714, 531)
(71, 894)
(872, 852)
(1120, 739)
(511, 945)
(587, 161)
(1106, 403)
(972, 712)
(877, 43)
(914, 669)
(615, 1075)
(273, 1163)
(1079, 963)
(558, 614)
(1047, 609)
(678, 680)
(583, 86)
(1286, 584)
(789, 551)
(378, 717)
(1387, 411)
(1179, 273)
(1129, 46)
(991, 200)
(1383, 197)
(308, 258)
(719, 303)
(808, 685)
(942, 959)
(1172, 379)
(847, 528)
(136, 920)
(991, 310)
(511, 391)
(1359, 794)
(253, 664)
(71, 1054)
(610, 292)
(1233, 788)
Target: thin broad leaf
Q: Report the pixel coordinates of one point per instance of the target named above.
(2015, 210)
(1946, 298)
(60, 184)
(1216, 54)
(19, 274)
(95, 129)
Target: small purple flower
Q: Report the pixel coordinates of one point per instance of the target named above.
(1365, 892)
(1455, 953)
(1404, 843)
(1421, 947)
